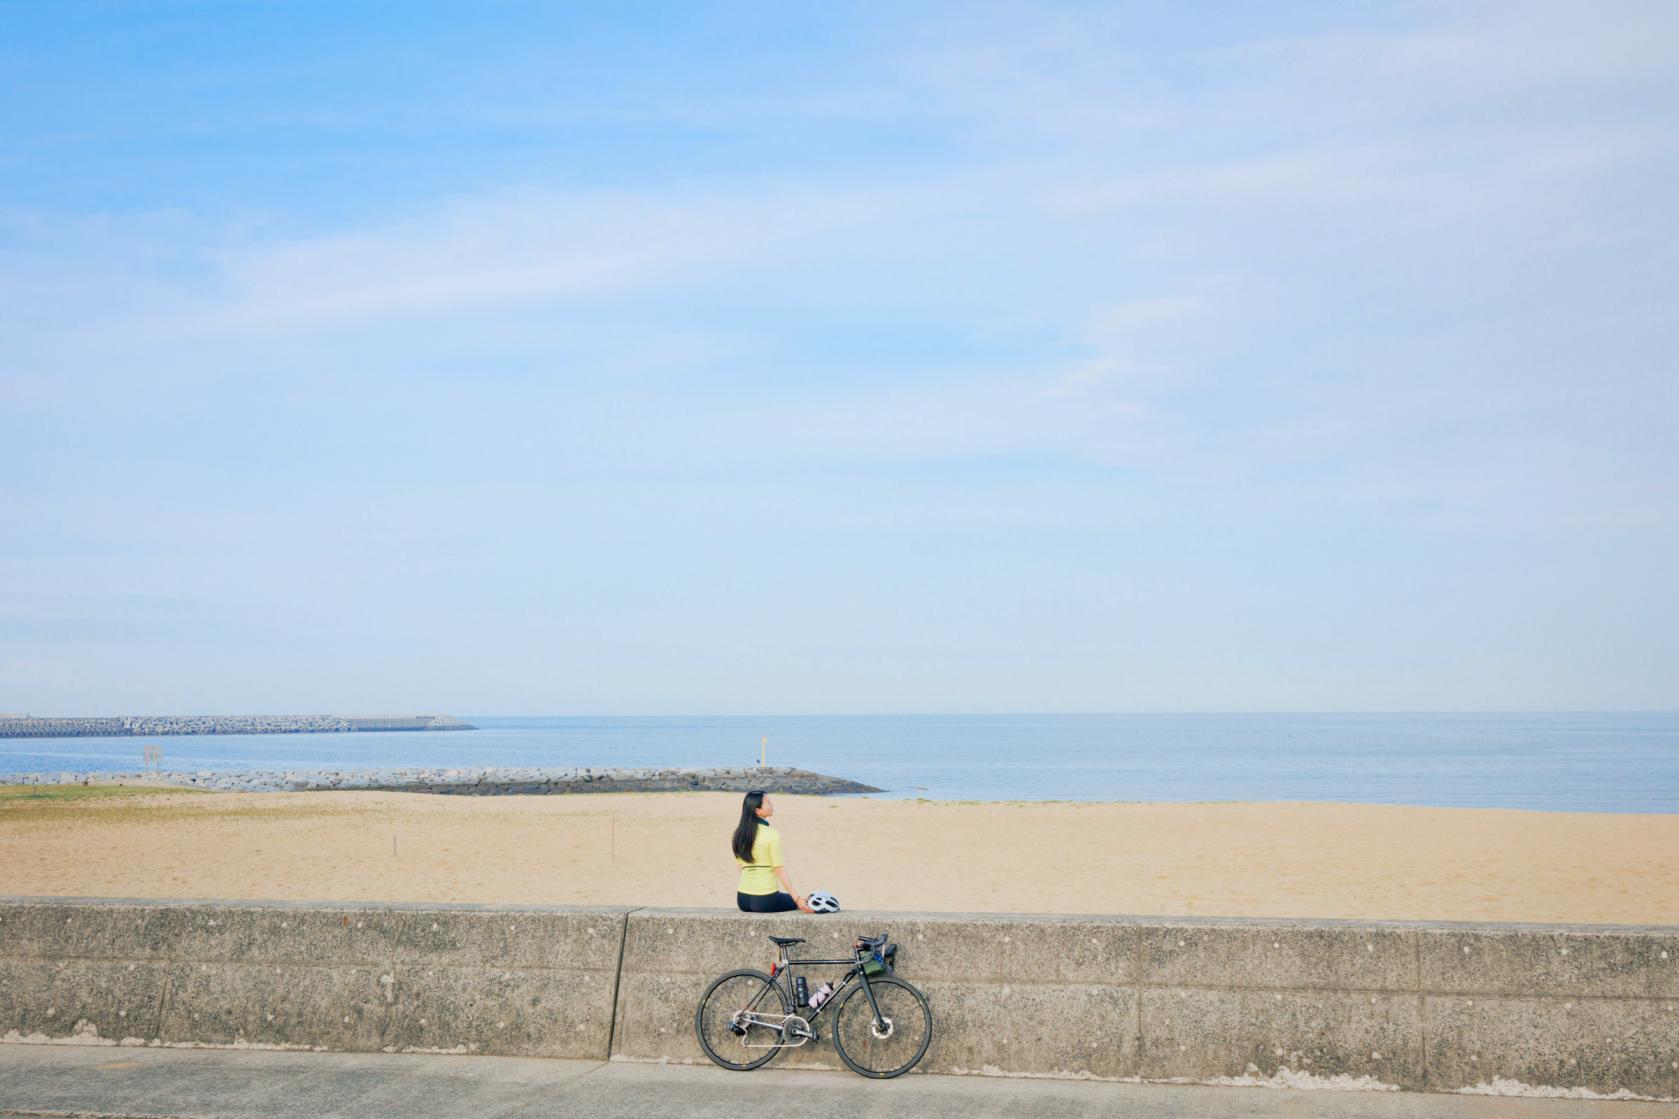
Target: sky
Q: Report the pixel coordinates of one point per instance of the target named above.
(686, 358)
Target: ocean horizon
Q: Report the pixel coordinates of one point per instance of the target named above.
(1548, 761)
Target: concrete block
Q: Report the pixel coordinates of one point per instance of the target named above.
(1604, 1045)
(310, 934)
(1285, 956)
(706, 942)
(111, 1000)
(507, 1012)
(1550, 961)
(1076, 951)
(656, 1016)
(1205, 1034)
(1032, 1029)
(969, 948)
(1034, 1026)
(656, 1023)
(54, 930)
(569, 939)
(335, 1007)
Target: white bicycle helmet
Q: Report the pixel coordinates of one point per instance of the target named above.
(823, 902)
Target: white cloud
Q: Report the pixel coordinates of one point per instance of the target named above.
(1136, 344)
(479, 254)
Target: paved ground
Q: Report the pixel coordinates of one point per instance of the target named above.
(56, 1080)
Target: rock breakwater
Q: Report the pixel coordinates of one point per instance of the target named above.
(473, 781)
(131, 726)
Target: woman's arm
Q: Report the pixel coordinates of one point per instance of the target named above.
(787, 884)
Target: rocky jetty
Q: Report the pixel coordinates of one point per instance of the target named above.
(473, 781)
(130, 726)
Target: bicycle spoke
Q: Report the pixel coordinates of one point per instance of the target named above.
(738, 1020)
(890, 1044)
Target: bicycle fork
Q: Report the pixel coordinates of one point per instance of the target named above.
(881, 1026)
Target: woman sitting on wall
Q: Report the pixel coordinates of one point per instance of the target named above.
(764, 884)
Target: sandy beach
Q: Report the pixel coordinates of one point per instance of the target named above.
(1253, 860)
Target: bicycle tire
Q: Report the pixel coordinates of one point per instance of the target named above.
(865, 1052)
(748, 993)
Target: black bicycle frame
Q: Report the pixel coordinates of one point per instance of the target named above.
(856, 972)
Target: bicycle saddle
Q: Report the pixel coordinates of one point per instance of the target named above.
(869, 941)
(784, 941)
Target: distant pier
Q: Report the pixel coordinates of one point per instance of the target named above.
(134, 726)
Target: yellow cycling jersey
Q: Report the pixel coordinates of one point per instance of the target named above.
(758, 876)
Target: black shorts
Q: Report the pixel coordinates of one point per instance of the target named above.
(765, 903)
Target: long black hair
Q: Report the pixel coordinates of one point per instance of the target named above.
(747, 831)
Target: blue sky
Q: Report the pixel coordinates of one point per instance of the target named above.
(630, 359)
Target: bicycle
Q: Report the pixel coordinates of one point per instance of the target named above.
(878, 1018)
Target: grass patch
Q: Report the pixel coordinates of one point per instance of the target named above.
(52, 806)
(83, 792)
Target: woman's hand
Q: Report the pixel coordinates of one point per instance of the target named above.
(799, 899)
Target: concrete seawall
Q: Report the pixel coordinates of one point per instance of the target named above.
(1433, 1007)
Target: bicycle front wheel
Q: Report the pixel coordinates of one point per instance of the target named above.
(890, 1045)
(727, 1021)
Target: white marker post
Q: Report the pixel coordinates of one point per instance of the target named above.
(763, 747)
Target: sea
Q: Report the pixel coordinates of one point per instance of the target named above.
(1550, 761)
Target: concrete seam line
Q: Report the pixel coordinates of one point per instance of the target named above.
(1279, 989)
(387, 1018)
(1137, 997)
(1138, 985)
(164, 996)
(167, 962)
(1155, 922)
(248, 961)
(1422, 1009)
(575, 1079)
(1392, 990)
(617, 982)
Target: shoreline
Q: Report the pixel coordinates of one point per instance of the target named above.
(515, 781)
(1607, 762)
(468, 780)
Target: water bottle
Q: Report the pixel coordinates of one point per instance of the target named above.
(820, 995)
(801, 990)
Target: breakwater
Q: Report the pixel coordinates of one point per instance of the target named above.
(1475, 1008)
(473, 781)
(130, 726)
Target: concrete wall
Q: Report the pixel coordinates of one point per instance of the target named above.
(1419, 1006)
(527, 982)
(1436, 1007)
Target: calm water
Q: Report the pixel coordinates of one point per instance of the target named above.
(1598, 762)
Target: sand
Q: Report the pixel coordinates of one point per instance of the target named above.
(670, 849)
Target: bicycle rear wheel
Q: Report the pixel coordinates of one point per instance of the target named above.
(894, 1045)
(725, 1021)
